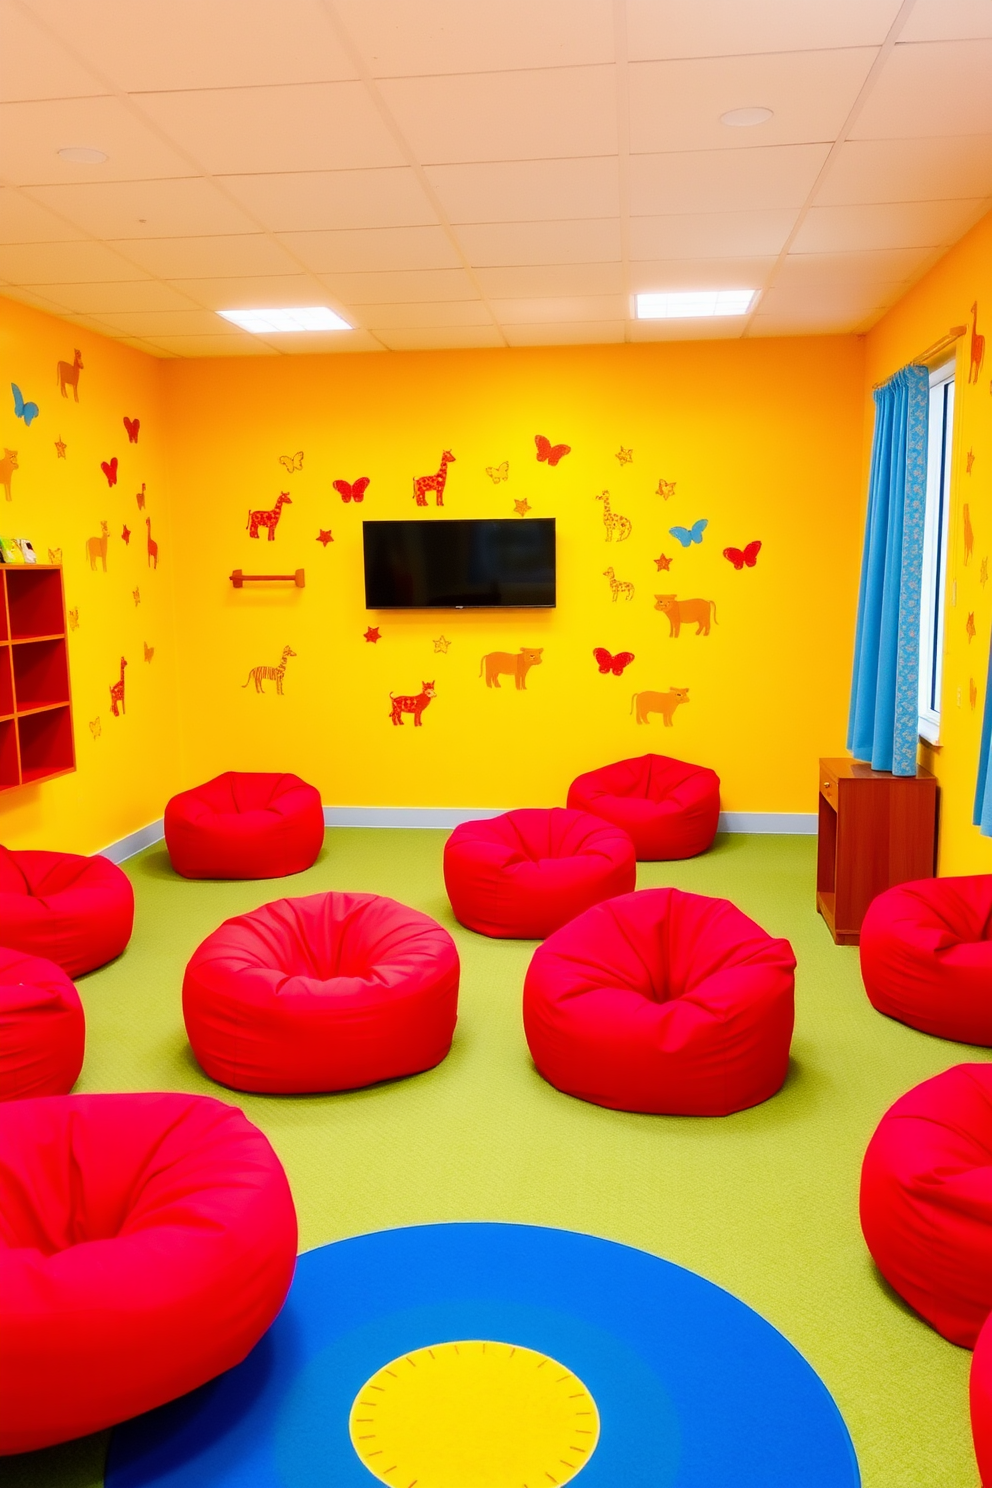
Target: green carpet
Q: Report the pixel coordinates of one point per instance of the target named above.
(763, 1203)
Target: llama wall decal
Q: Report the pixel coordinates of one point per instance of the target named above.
(117, 693)
(7, 467)
(618, 586)
(152, 545)
(977, 347)
(140, 497)
(67, 374)
(613, 521)
(269, 519)
(424, 483)
(275, 674)
(96, 547)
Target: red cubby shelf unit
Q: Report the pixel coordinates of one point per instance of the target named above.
(35, 704)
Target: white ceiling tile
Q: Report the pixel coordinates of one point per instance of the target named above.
(113, 295)
(31, 134)
(948, 20)
(930, 89)
(528, 190)
(309, 127)
(400, 39)
(202, 258)
(372, 248)
(403, 287)
(314, 201)
(527, 243)
(763, 327)
(724, 180)
(714, 28)
(440, 313)
(22, 220)
(819, 270)
(38, 300)
(559, 333)
(677, 105)
(729, 328)
(710, 234)
(441, 338)
(210, 346)
(146, 209)
(33, 66)
(508, 115)
(847, 304)
(701, 273)
(154, 323)
(260, 292)
(162, 44)
(887, 225)
(551, 281)
(894, 170)
(317, 343)
(558, 311)
(53, 263)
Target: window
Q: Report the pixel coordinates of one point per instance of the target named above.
(935, 549)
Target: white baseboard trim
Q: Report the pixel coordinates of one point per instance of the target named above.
(784, 823)
(134, 842)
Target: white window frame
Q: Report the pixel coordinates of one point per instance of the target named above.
(936, 529)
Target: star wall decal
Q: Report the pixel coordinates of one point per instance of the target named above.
(60, 448)
(441, 644)
(137, 596)
(665, 489)
(126, 534)
(521, 507)
(983, 572)
(625, 456)
(662, 563)
(970, 459)
(324, 536)
(373, 634)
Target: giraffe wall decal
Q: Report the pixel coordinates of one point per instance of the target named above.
(977, 347)
(117, 693)
(96, 547)
(152, 545)
(436, 482)
(615, 524)
(269, 519)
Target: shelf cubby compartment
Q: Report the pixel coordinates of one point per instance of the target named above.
(41, 674)
(9, 770)
(34, 601)
(46, 744)
(6, 682)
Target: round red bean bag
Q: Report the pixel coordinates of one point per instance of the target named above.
(664, 1002)
(926, 1199)
(926, 956)
(526, 873)
(245, 826)
(981, 1402)
(42, 1029)
(669, 808)
(77, 912)
(328, 992)
(146, 1243)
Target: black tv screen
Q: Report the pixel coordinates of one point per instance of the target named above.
(441, 564)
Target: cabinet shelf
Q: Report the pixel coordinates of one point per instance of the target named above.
(36, 741)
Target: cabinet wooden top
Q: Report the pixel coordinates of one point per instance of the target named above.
(852, 769)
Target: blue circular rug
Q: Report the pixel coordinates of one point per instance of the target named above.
(693, 1389)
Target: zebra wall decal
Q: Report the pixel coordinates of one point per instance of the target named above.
(274, 674)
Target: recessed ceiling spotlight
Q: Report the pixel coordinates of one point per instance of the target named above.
(82, 155)
(297, 318)
(685, 305)
(746, 118)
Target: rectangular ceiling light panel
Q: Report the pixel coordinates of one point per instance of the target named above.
(687, 305)
(296, 318)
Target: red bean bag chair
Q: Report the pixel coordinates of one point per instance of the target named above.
(245, 826)
(926, 956)
(926, 1199)
(146, 1243)
(981, 1402)
(328, 992)
(526, 873)
(77, 912)
(669, 809)
(42, 1029)
(662, 1001)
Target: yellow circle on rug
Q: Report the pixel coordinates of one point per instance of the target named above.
(474, 1414)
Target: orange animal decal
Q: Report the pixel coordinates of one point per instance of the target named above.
(7, 467)
(977, 347)
(96, 547)
(269, 519)
(692, 611)
(117, 693)
(664, 703)
(424, 483)
(152, 545)
(67, 375)
(411, 703)
(498, 663)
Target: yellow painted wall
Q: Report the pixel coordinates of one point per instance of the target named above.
(125, 773)
(762, 438)
(941, 300)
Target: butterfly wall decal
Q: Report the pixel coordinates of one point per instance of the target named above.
(665, 489)
(149, 651)
(95, 728)
(132, 426)
(614, 664)
(349, 491)
(551, 452)
(497, 473)
(55, 555)
(109, 468)
(741, 556)
(292, 462)
(693, 534)
(74, 618)
(22, 410)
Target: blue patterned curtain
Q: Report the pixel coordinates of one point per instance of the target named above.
(884, 714)
(983, 795)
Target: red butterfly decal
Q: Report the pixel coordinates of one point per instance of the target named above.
(550, 452)
(132, 426)
(349, 492)
(738, 559)
(614, 664)
(110, 471)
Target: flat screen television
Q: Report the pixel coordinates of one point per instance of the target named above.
(457, 564)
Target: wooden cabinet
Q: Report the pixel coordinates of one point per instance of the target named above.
(875, 830)
(35, 709)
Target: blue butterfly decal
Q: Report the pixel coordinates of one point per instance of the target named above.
(26, 411)
(687, 535)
